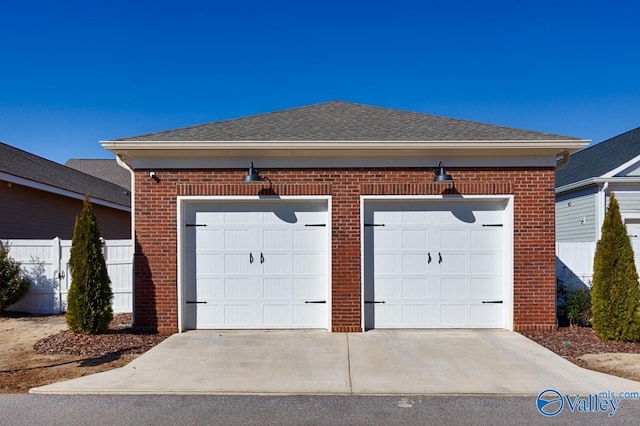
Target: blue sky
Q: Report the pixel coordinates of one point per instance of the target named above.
(73, 73)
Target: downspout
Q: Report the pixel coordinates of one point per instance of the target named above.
(602, 208)
(125, 166)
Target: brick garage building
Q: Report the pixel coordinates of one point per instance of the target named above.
(340, 225)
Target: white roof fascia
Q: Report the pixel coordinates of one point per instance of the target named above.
(622, 167)
(618, 180)
(59, 191)
(575, 185)
(598, 180)
(563, 146)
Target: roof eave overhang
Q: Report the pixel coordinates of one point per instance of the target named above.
(59, 191)
(620, 180)
(133, 149)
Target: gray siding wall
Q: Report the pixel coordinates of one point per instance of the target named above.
(28, 213)
(576, 217)
(628, 201)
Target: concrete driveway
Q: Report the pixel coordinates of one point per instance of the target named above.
(317, 362)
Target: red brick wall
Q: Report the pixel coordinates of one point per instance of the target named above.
(155, 295)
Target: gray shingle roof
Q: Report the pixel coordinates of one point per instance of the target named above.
(16, 162)
(108, 170)
(601, 158)
(345, 121)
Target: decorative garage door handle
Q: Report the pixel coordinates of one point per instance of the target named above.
(250, 257)
(261, 258)
(429, 256)
(194, 302)
(439, 258)
(492, 301)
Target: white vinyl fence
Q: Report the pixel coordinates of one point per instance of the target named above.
(574, 263)
(47, 264)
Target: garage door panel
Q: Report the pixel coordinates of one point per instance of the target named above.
(275, 315)
(452, 264)
(387, 288)
(234, 263)
(485, 315)
(484, 263)
(275, 263)
(307, 263)
(210, 315)
(209, 218)
(209, 263)
(454, 314)
(387, 239)
(277, 239)
(306, 315)
(387, 264)
(484, 288)
(388, 314)
(211, 239)
(453, 239)
(454, 288)
(414, 288)
(237, 239)
(256, 263)
(311, 238)
(210, 288)
(240, 288)
(308, 289)
(484, 239)
(464, 240)
(237, 315)
(277, 288)
(414, 239)
(414, 263)
(414, 314)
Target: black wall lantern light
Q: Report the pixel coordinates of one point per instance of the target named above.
(253, 175)
(440, 175)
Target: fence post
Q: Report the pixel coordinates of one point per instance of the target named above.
(56, 258)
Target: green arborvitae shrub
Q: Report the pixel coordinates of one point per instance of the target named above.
(89, 298)
(615, 296)
(13, 284)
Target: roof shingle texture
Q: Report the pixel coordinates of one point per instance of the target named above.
(108, 170)
(596, 160)
(16, 162)
(345, 121)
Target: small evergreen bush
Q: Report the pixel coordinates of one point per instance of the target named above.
(13, 284)
(615, 295)
(579, 307)
(89, 298)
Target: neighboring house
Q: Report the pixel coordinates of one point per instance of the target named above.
(41, 199)
(108, 170)
(583, 188)
(339, 224)
(584, 185)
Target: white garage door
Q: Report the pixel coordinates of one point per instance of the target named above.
(434, 264)
(256, 265)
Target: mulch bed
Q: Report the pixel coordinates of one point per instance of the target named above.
(574, 341)
(120, 339)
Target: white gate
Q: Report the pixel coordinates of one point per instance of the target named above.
(47, 264)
